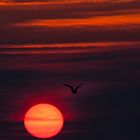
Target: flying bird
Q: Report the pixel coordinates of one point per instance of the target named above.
(74, 90)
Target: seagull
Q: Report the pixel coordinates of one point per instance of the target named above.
(74, 90)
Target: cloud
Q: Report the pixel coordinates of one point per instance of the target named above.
(63, 48)
(23, 1)
(121, 20)
(68, 35)
(96, 58)
(67, 23)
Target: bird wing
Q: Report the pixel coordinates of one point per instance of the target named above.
(68, 86)
(78, 86)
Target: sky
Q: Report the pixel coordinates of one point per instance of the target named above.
(44, 44)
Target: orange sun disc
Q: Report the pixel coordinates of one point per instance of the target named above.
(43, 121)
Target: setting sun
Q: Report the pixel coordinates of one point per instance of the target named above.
(43, 121)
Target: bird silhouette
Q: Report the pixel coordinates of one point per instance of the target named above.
(74, 90)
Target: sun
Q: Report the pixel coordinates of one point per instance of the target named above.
(43, 121)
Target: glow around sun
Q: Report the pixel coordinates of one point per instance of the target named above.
(43, 121)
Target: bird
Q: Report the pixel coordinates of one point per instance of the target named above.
(74, 90)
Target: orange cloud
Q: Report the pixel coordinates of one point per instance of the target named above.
(38, 2)
(65, 47)
(116, 20)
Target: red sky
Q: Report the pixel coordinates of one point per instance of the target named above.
(44, 44)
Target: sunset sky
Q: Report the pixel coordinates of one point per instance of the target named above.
(46, 43)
